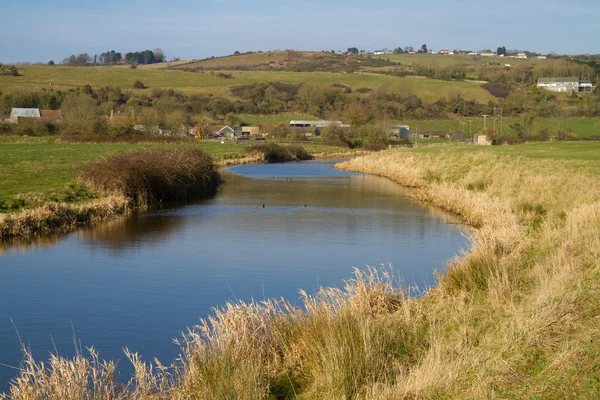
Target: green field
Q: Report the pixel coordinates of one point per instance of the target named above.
(65, 78)
(38, 169)
(445, 61)
(582, 127)
(583, 155)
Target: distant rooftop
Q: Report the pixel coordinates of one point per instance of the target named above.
(26, 112)
(555, 80)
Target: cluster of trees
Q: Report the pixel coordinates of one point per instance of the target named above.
(146, 57)
(112, 57)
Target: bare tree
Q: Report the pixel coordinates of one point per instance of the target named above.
(159, 55)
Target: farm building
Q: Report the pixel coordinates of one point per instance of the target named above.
(565, 85)
(230, 132)
(482, 140)
(400, 131)
(315, 126)
(17, 113)
(250, 130)
(54, 116)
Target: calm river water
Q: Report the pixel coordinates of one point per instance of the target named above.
(138, 282)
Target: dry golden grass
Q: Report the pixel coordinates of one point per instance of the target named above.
(59, 218)
(515, 317)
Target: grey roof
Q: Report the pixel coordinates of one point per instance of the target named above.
(318, 124)
(556, 80)
(26, 112)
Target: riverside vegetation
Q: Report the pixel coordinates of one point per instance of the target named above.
(514, 317)
(118, 184)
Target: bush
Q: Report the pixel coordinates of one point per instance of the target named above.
(139, 85)
(152, 177)
(274, 153)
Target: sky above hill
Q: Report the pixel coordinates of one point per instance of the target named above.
(40, 30)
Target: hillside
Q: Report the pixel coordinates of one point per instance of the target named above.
(289, 60)
(65, 78)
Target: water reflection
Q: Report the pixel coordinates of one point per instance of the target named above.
(137, 282)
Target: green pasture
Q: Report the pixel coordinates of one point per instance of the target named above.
(65, 78)
(36, 170)
(582, 127)
(455, 60)
(580, 155)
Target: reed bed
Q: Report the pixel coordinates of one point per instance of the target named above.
(124, 182)
(54, 218)
(516, 316)
(155, 176)
(274, 153)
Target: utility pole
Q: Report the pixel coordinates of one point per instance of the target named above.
(485, 121)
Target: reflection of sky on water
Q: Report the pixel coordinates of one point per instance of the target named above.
(139, 281)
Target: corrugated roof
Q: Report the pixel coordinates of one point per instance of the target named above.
(318, 124)
(555, 80)
(26, 112)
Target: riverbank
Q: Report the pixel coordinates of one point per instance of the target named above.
(122, 183)
(515, 317)
(41, 195)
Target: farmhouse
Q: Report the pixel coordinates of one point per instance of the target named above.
(565, 85)
(17, 113)
(521, 55)
(54, 116)
(379, 52)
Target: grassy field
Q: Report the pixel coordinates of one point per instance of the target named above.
(39, 169)
(64, 78)
(582, 127)
(578, 156)
(444, 61)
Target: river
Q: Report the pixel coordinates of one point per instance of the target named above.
(139, 281)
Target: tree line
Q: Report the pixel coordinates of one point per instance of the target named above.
(112, 57)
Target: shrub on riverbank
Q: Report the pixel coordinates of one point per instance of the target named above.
(274, 153)
(152, 177)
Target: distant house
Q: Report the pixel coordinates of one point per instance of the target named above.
(317, 127)
(541, 57)
(227, 132)
(487, 54)
(400, 131)
(472, 53)
(250, 130)
(53, 116)
(412, 52)
(17, 113)
(444, 52)
(521, 55)
(379, 52)
(565, 85)
(482, 140)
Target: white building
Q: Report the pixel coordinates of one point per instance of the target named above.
(521, 55)
(565, 85)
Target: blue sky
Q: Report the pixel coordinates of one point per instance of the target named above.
(36, 30)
